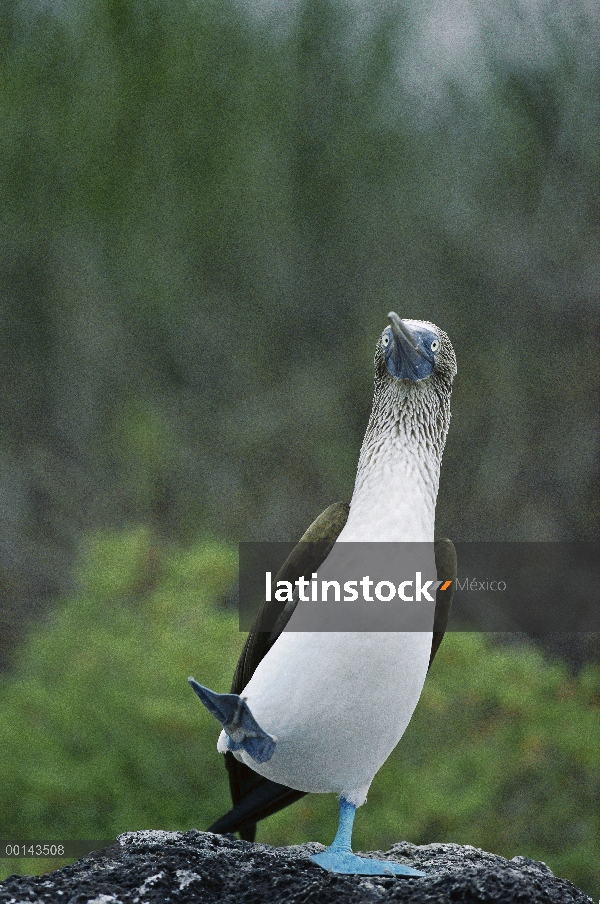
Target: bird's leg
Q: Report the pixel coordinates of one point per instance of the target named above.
(338, 858)
(343, 837)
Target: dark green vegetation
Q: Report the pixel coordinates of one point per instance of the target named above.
(100, 732)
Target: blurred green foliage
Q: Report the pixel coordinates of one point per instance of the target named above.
(206, 214)
(100, 734)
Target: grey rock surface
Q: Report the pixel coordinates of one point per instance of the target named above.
(202, 868)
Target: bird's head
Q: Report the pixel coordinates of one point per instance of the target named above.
(406, 434)
(415, 351)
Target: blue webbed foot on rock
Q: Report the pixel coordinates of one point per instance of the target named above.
(339, 857)
(348, 863)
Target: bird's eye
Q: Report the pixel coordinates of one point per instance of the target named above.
(435, 345)
(385, 340)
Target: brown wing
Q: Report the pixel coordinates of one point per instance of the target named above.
(445, 563)
(306, 557)
(253, 796)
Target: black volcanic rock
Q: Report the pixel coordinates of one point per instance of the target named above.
(202, 868)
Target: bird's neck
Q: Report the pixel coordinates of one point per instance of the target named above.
(398, 476)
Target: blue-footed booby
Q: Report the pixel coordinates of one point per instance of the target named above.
(322, 711)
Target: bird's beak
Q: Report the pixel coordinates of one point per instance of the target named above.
(408, 359)
(403, 335)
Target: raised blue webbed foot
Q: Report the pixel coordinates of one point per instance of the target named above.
(339, 857)
(242, 729)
